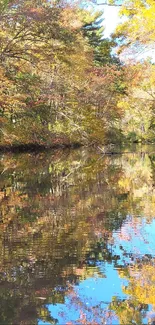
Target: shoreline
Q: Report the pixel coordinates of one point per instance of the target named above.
(31, 147)
(110, 149)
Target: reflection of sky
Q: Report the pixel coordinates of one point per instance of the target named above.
(137, 238)
(93, 292)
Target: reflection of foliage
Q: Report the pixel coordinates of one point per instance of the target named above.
(128, 311)
(140, 290)
(58, 213)
(142, 282)
(101, 251)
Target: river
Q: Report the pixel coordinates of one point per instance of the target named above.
(77, 237)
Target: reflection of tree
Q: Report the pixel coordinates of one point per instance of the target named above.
(58, 213)
(152, 159)
(129, 311)
(140, 290)
(138, 180)
(44, 208)
(142, 281)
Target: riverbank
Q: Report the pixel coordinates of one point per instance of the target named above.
(31, 147)
(110, 149)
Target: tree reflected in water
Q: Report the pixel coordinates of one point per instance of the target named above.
(65, 218)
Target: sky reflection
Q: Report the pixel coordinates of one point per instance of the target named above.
(135, 238)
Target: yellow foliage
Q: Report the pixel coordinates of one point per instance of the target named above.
(139, 28)
(142, 284)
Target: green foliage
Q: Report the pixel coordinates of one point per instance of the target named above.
(102, 48)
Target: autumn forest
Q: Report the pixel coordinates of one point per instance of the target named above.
(63, 83)
(77, 163)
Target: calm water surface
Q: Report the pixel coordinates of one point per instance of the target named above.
(77, 238)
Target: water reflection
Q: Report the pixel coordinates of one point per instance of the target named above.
(77, 238)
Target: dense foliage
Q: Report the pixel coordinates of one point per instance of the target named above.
(52, 85)
(60, 82)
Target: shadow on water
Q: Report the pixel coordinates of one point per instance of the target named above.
(77, 238)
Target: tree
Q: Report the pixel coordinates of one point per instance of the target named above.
(93, 31)
(137, 31)
(40, 52)
(47, 56)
